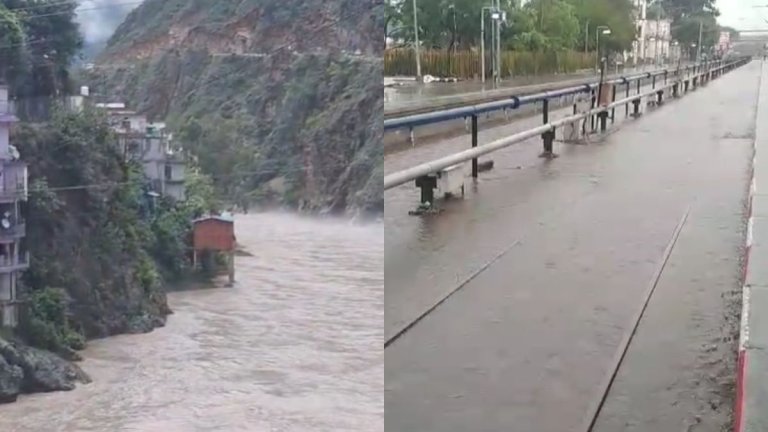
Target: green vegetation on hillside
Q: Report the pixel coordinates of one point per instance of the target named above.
(297, 125)
(101, 248)
(42, 39)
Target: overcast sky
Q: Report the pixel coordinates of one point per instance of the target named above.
(742, 14)
(99, 18)
(99, 23)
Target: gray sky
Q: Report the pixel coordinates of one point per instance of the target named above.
(742, 15)
(101, 21)
(98, 24)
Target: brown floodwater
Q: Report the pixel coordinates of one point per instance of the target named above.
(295, 345)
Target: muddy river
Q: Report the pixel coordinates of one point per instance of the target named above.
(295, 345)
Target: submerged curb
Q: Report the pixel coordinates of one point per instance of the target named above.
(750, 414)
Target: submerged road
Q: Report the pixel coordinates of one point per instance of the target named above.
(560, 255)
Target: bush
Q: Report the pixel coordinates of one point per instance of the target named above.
(45, 325)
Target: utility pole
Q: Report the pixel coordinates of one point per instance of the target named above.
(698, 47)
(498, 41)
(586, 37)
(658, 34)
(482, 45)
(416, 38)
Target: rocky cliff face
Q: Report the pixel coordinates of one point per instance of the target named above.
(280, 100)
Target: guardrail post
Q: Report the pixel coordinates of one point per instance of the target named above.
(653, 82)
(548, 137)
(626, 106)
(685, 86)
(427, 184)
(675, 90)
(413, 140)
(592, 106)
(603, 115)
(659, 97)
(613, 99)
(474, 144)
(636, 107)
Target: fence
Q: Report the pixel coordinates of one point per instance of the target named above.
(466, 64)
(694, 76)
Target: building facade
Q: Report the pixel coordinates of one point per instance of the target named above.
(653, 38)
(724, 43)
(14, 256)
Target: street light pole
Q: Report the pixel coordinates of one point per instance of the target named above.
(498, 41)
(482, 42)
(606, 30)
(455, 32)
(416, 39)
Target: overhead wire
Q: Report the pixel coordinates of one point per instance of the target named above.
(131, 182)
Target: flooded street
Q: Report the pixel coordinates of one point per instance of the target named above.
(295, 345)
(544, 264)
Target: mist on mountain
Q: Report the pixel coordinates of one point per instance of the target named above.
(98, 19)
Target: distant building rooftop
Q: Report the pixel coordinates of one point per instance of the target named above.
(225, 217)
(111, 105)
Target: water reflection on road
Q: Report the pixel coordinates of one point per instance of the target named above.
(296, 345)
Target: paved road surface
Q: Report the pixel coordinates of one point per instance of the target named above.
(525, 344)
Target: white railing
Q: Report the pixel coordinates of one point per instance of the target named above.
(404, 176)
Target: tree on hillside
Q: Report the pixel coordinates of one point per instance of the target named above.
(51, 40)
(11, 45)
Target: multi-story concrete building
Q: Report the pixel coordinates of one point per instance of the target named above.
(653, 38)
(724, 42)
(150, 144)
(14, 256)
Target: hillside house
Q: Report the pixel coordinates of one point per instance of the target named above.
(150, 144)
(14, 257)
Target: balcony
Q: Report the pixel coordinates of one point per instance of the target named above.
(13, 184)
(9, 313)
(16, 231)
(8, 264)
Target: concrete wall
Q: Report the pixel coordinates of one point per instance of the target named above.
(178, 171)
(175, 190)
(4, 128)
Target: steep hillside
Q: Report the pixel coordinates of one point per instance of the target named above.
(280, 100)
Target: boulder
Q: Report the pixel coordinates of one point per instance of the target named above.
(42, 371)
(10, 381)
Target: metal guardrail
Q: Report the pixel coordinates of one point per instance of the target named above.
(547, 129)
(516, 101)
